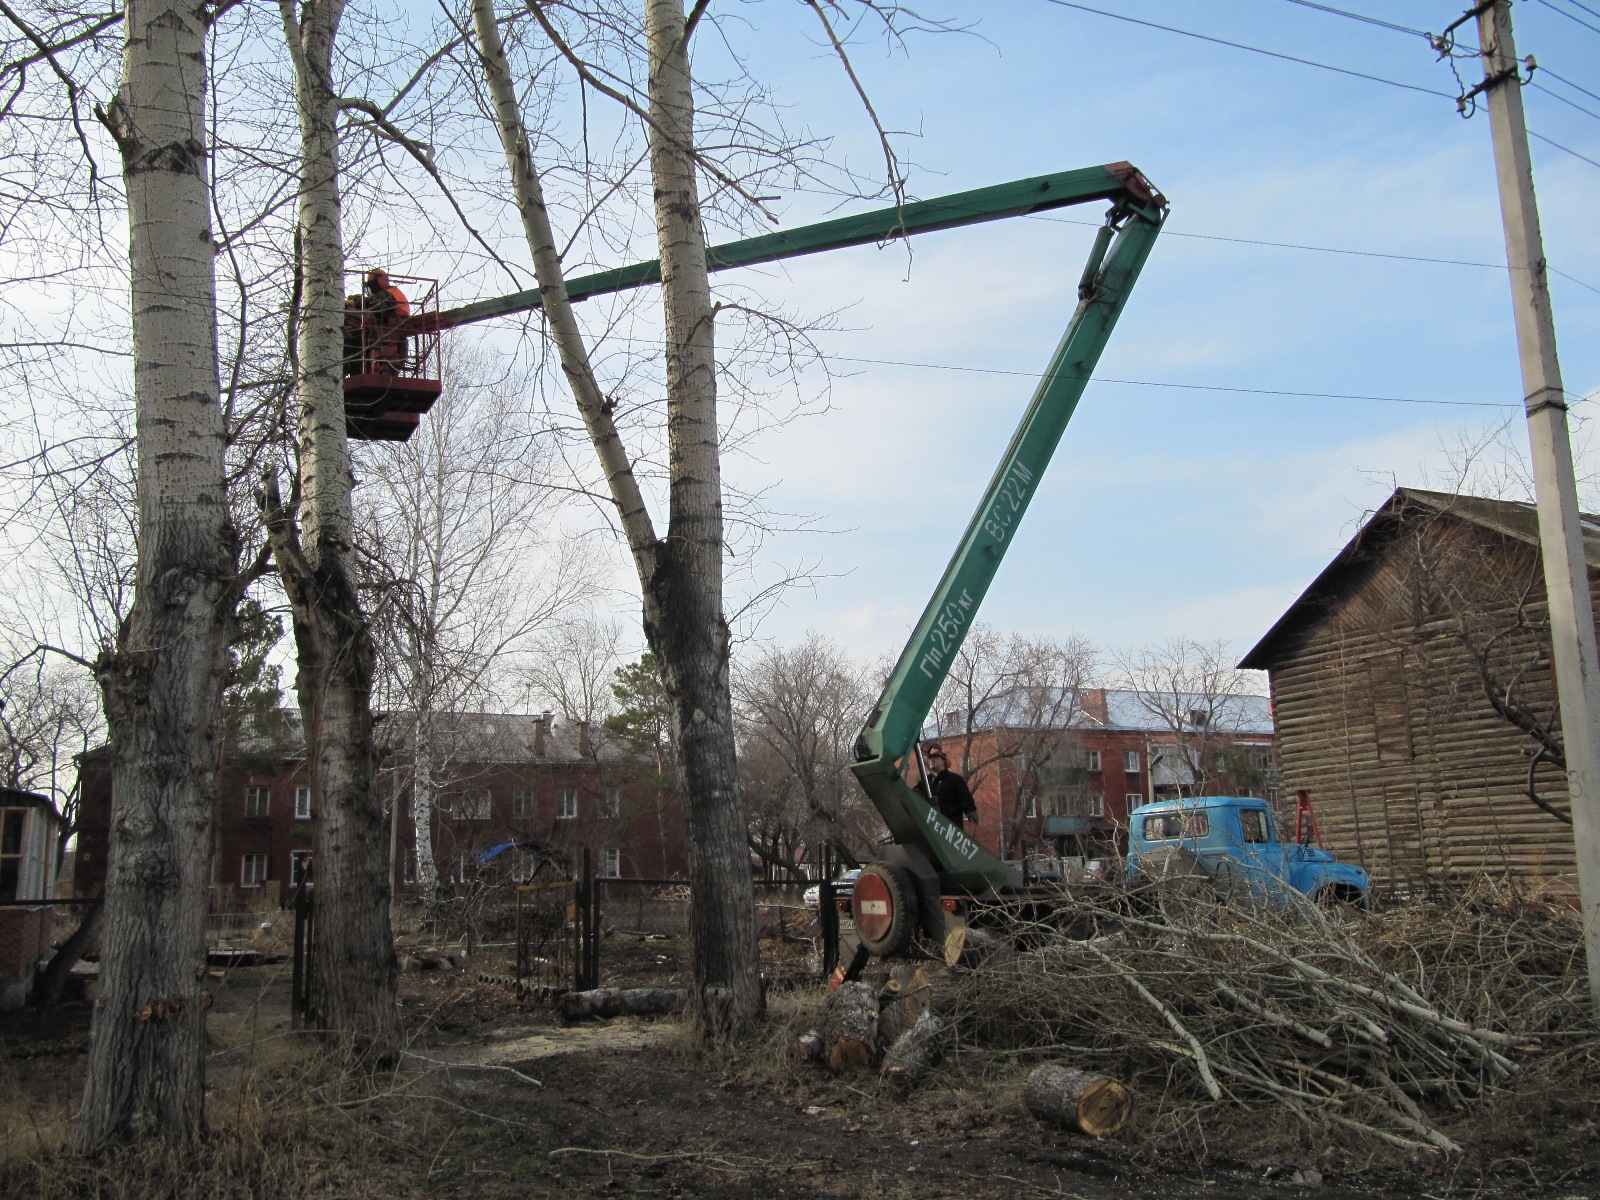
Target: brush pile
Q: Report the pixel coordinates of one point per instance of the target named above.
(1382, 1027)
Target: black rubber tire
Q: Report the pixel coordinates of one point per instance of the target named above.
(901, 888)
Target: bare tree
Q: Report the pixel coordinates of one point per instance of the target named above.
(353, 955)
(572, 670)
(1009, 706)
(1193, 692)
(799, 710)
(681, 570)
(49, 716)
(467, 564)
(160, 684)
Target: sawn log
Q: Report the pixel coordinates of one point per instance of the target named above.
(1091, 1103)
(622, 1002)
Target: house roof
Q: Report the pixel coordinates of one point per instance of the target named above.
(1515, 519)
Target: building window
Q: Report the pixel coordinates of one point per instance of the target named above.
(567, 804)
(611, 864)
(299, 861)
(1092, 760)
(472, 805)
(12, 823)
(1097, 806)
(1030, 805)
(611, 803)
(302, 804)
(253, 869)
(1133, 800)
(408, 869)
(522, 803)
(1130, 761)
(463, 867)
(256, 801)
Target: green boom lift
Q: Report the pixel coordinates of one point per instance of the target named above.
(924, 881)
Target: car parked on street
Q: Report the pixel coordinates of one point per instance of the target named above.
(841, 887)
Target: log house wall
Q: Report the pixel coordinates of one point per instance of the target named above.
(1382, 715)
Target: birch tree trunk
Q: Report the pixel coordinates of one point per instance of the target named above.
(680, 576)
(353, 952)
(684, 620)
(163, 682)
(422, 797)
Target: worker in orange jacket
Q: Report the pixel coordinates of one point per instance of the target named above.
(386, 307)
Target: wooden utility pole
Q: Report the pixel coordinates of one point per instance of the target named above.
(1566, 574)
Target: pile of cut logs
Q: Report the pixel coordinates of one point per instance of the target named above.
(890, 1020)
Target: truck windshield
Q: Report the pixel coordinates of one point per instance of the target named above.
(1165, 827)
(1254, 821)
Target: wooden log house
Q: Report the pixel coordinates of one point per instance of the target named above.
(1414, 697)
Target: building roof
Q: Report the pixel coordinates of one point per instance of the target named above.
(1515, 519)
(477, 737)
(1126, 711)
(14, 798)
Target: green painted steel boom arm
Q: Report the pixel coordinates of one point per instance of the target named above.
(896, 722)
(1118, 182)
(1119, 252)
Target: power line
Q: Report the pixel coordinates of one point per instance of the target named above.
(1445, 262)
(1362, 17)
(1568, 82)
(1205, 37)
(1562, 148)
(1570, 17)
(1191, 387)
(1564, 100)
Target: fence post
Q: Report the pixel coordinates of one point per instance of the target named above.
(828, 915)
(585, 891)
(594, 932)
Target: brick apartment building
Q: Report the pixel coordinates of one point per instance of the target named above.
(535, 783)
(1111, 755)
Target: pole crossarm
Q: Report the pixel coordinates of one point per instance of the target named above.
(1120, 183)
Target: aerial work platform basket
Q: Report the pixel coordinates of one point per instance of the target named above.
(391, 358)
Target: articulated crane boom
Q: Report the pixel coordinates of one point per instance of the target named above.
(931, 857)
(933, 850)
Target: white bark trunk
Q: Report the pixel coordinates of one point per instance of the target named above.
(684, 618)
(422, 797)
(146, 1068)
(353, 952)
(681, 577)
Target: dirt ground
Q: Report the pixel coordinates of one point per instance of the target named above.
(496, 1098)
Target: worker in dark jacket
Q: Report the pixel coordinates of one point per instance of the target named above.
(949, 791)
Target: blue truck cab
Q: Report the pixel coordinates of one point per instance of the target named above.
(1233, 840)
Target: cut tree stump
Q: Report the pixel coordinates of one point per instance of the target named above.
(850, 1026)
(622, 1002)
(905, 997)
(1092, 1104)
(915, 1051)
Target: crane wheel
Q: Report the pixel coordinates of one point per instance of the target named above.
(885, 906)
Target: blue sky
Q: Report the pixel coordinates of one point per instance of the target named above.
(1169, 510)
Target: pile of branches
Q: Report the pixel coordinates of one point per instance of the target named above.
(1380, 1027)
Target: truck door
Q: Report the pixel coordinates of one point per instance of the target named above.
(1260, 853)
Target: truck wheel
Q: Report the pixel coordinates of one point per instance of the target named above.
(885, 904)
